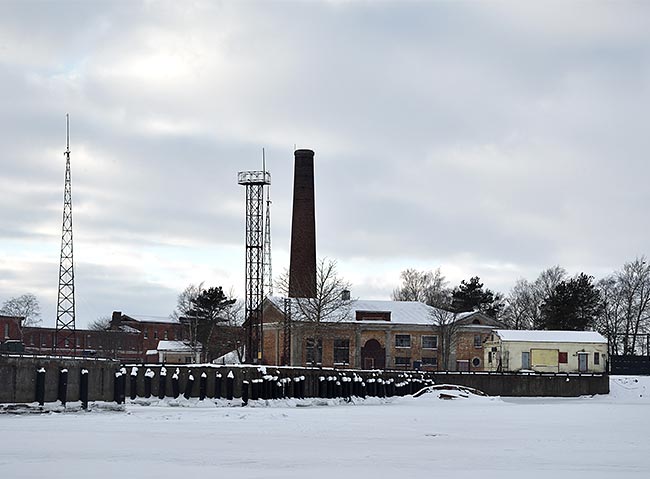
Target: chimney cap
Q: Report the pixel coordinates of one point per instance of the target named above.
(304, 152)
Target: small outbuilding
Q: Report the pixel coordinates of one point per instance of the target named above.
(512, 350)
(175, 352)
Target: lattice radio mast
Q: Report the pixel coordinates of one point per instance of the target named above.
(268, 271)
(65, 337)
(254, 181)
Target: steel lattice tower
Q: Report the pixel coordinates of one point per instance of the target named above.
(65, 337)
(268, 271)
(254, 181)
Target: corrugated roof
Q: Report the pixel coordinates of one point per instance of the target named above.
(551, 336)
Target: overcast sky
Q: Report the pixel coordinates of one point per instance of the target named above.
(485, 138)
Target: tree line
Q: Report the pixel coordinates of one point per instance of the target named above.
(617, 306)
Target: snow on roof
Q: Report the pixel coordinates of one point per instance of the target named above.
(401, 312)
(177, 346)
(151, 319)
(128, 329)
(550, 336)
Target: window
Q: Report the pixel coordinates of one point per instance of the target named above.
(476, 362)
(66, 343)
(489, 357)
(155, 334)
(429, 342)
(78, 342)
(6, 330)
(166, 335)
(314, 351)
(88, 341)
(596, 358)
(403, 341)
(476, 321)
(430, 361)
(146, 333)
(43, 340)
(401, 362)
(563, 358)
(341, 351)
(478, 341)
(31, 339)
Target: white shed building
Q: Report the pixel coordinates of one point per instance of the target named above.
(545, 351)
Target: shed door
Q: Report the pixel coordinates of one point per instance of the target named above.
(583, 362)
(525, 360)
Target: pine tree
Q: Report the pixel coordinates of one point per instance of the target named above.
(574, 305)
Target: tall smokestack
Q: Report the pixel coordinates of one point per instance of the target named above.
(302, 264)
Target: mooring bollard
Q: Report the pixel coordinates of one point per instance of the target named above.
(217, 386)
(244, 393)
(40, 386)
(203, 386)
(255, 389)
(175, 387)
(230, 385)
(83, 388)
(148, 379)
(162, 383)
(322, 387)
(188, 386)
(63, 386)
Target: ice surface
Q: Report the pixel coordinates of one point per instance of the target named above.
(588, 437)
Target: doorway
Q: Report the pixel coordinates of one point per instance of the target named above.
(525, 360)
(583, 362)
(373, 355)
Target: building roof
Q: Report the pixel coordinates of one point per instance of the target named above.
(401, 312)
(175, 346)
(141, 318)
(550, 336)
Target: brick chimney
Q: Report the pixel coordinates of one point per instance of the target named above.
(302, 264)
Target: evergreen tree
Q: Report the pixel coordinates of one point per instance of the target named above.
(470, 296)
(574, 305)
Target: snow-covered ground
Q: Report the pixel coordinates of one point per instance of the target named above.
(590, 437)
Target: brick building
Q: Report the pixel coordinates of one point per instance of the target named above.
(374, 334)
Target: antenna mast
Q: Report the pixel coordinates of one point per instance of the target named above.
(268, 272)
(65, 337)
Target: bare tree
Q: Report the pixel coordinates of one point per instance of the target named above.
(184, 303)
(626, 316)
(103, 323)
(429, 287)
(25, 306)
(316, 318)
(523, 306)
(445, 323)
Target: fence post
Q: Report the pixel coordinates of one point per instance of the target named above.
(189, 385)
(175, 387)
(230, 385)
(134, 383)
(83, 388)
(217, 386)
(63, 386)
(40, 386)
(244, 393)
(148, 378)
(162, 383)
(203, 386)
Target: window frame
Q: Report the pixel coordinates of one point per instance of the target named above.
(338, 348)
(402, 336)
(435, 337)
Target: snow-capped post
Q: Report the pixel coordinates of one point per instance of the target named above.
(255, 389)
(302, 387)
(381, 388)
(230, 385)
(203, 386)
(40, 386)
(63, 386)
(338, 390)
(322, 387)
(148, 378)
(83, 388)
(217, 386)
(244, 393)
(189, 385)
(363, 390)
(118, 395)
(274, 387)
(133, 385)
(176, 391)
(162, 383)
